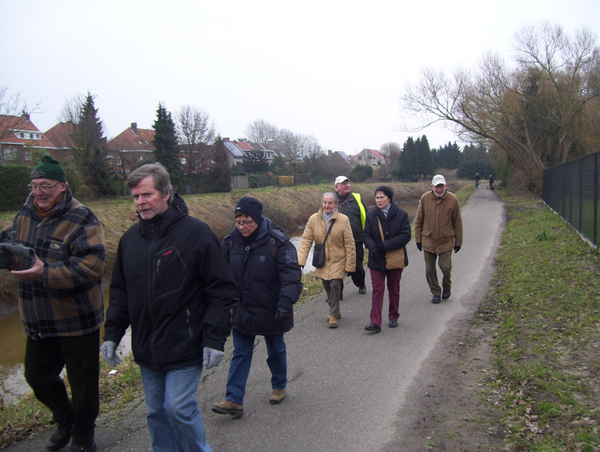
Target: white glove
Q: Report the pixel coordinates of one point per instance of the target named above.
(212, 357)
(109, 353)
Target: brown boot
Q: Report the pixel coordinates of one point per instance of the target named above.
(277, 395)
(228, 407)
(333, 323)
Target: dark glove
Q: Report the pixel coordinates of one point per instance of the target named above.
(380, 248)
(12, 248)
(419, 246)
(456, 249)
(282, 315)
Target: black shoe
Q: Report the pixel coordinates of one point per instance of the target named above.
(436, 299)
(83, 447)
(59, 439)
(362, 290)
(374, 328)
(445, 294)
(393, 323)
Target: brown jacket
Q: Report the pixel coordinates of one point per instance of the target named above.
(438, 225)
(340, 253)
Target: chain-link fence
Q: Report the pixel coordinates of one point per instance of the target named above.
(573, 190)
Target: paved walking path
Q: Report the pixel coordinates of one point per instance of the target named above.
(346, 386)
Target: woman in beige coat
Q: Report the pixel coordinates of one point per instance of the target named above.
(339, 251)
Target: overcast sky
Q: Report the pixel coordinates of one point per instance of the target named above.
(331, 69)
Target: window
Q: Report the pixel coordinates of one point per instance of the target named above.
(10, 154)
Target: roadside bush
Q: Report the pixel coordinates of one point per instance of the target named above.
(13, 190)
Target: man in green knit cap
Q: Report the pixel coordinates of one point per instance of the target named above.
(60, 300)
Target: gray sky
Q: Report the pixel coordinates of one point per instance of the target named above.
(331, 69)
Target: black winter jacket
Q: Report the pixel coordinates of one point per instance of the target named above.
(171, 283)
(396, 229)
(265, 283)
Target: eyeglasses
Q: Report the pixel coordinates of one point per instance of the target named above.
(42, 188)
(246, 223)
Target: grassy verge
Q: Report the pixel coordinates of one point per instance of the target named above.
(544, 307)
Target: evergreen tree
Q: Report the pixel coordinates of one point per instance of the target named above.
(90, 152)
(449, 156)
(255, 162)
(409, 161)
(220, 170)
(424, 157)
(166, 150)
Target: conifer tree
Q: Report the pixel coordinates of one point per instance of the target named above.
(90, 152)
(166, 149)
(221, 169)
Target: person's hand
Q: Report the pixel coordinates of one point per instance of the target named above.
(380, 248)
(419, 246)
(109, 353)
(212, 357)
(282, 315)
(456, 249)
(35, 272)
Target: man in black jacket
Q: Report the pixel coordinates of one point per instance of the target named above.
(352, 205)
(171, 283)
(265, 266)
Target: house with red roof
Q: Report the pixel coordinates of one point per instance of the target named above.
(131, 148)
(19, 138)
(369, 157)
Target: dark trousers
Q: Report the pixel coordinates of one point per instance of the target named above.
(44, 361)
(378, 279)
(358, 276)
(445, 264)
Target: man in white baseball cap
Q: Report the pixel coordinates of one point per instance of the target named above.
(438, 231)
(352, 205)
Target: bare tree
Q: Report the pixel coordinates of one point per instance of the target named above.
(12, 110)
(260, 131)
(196, 134)
(71, 109)
(534, 114)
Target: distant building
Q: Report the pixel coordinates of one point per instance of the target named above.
(61, 136)
(131, 148)
(19, 138)
(369, 157)
(239, 150)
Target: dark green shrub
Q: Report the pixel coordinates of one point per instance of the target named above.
(13, 189)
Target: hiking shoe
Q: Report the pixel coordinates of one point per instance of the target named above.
(436, 299)
(228, 407)
(59, 439)
(374, 328)
(333, 323)
(277, 395)
(445, 294)
(362, 290)
(339, 316)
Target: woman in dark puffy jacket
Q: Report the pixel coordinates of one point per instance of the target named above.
(265, 265)
(391, 221)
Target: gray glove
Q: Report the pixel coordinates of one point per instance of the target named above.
(12, 248)
(109, 353)
(212, 357)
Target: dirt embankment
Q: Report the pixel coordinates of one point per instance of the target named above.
(290, 207)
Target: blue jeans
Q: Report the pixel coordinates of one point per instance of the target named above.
(174, 419)
(243, 348)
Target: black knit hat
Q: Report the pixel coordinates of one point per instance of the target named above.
(387, 190)
(251, 207)
(49, 168)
